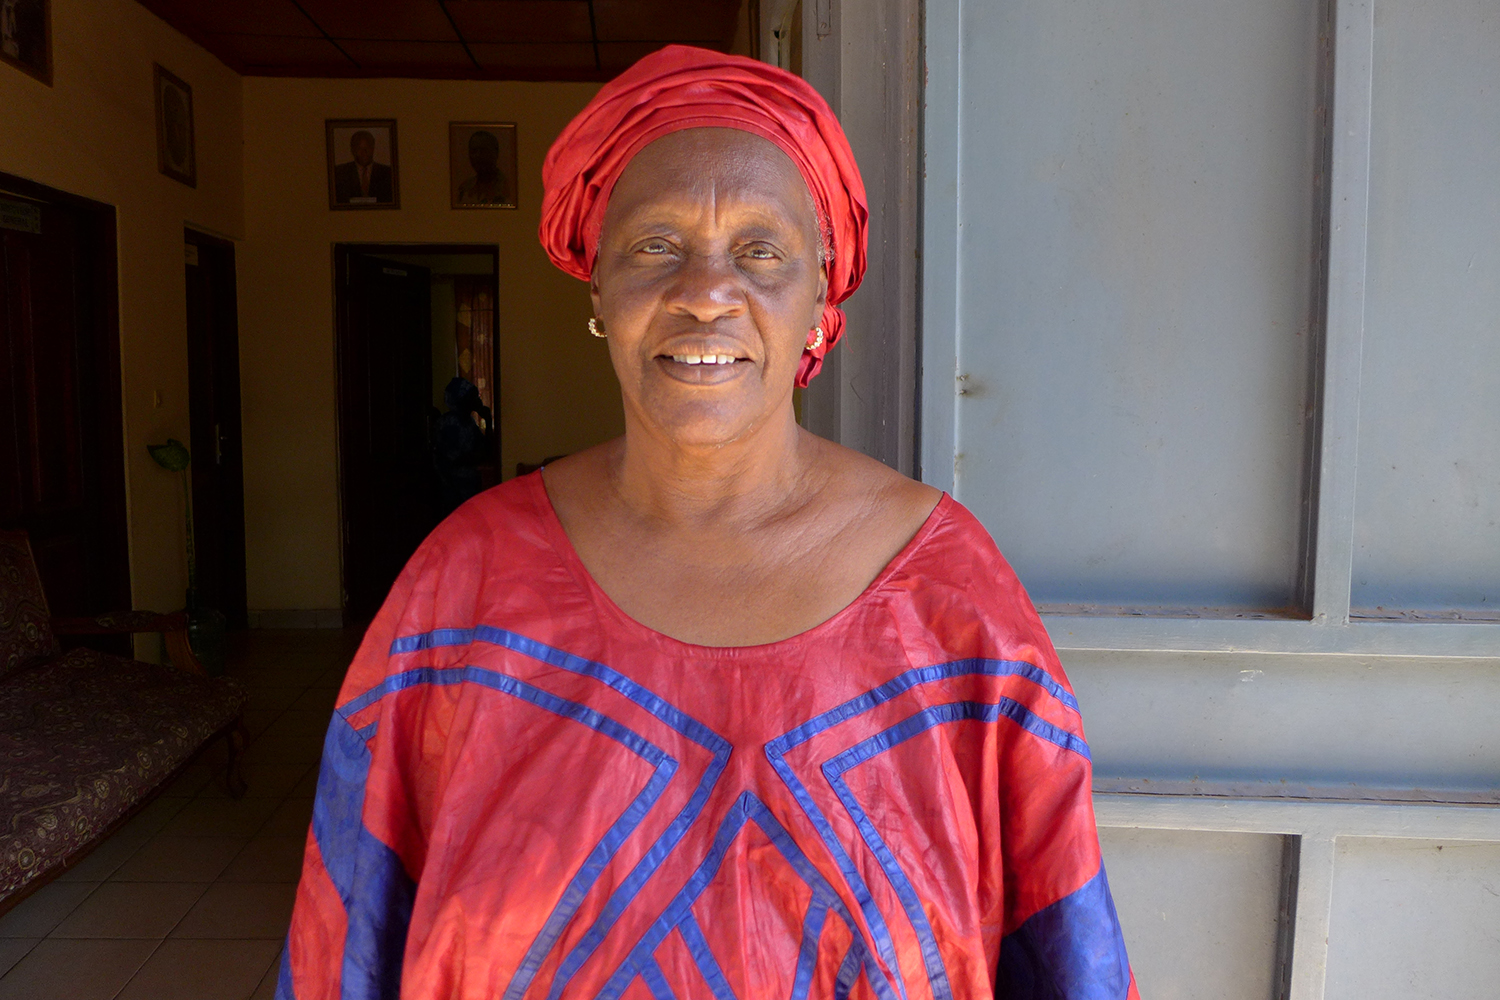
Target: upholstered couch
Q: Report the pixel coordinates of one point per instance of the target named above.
(87, 738)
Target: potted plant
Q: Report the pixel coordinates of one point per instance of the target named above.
(205, 625)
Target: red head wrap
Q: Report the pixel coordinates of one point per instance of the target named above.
(681, 87)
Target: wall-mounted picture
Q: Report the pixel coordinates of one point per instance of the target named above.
(175, 155)
(362, 167)
(26, 37)
(482, 164)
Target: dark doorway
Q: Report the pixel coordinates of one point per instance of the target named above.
(214, 405)
(62, 472)
(392, 365)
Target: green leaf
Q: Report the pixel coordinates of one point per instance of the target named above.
(172, 456)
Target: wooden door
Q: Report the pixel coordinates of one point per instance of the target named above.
(385, 406)
(61, 465)
(214, 403)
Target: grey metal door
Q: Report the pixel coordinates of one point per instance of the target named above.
(1211, 344)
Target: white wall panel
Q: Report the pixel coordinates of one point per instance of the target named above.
(1137, 242)
(1199, 910)
(1427, 505)
(1414, 920)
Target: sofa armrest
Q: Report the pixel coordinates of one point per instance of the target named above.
(173, 628)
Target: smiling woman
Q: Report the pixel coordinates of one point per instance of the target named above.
(719, 707)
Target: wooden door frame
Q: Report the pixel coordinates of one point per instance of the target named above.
(868, 394)
(103, 330)
(341, 333)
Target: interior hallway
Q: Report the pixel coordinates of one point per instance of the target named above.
(190, 900)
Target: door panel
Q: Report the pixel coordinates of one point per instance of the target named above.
(1427, 514)
(61, 467)
(214, 404)
(385, 388)
(1414, 918)
(1200, 910)
(1136, 296)
(1218, 284)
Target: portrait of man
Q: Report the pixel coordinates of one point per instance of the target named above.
(175, 154)
(25, 37)
(482, 164)
(362, 164)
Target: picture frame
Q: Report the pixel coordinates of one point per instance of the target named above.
(26, 37)
(364, 171)
(482, 165)
(176, 143)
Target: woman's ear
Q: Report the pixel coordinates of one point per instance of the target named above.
(594, 286)
(822, 297)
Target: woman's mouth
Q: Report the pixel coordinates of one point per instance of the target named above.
(704, 359)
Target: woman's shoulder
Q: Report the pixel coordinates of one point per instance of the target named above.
(957, 581)
(873, 497)
(505, 527)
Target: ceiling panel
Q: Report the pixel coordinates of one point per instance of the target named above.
(666, 20)
(393, 20)
(441, 59)
(252, 17)
(509, 39)
(615, 57)
(572, 56)
(267, 55)
(522, 20)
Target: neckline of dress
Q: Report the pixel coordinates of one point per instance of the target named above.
(563, 546)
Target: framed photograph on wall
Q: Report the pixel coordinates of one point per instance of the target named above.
(26, 37)
(176, 155)
(362, 168)
(482, 164)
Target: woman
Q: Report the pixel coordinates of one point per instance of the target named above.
(718, 708)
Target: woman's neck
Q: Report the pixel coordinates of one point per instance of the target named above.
(754, 478)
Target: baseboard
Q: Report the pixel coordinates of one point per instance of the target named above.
(296, 618)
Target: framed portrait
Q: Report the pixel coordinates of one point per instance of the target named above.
(482, 164)
(175, 153)
(362, 168)
(26, 37)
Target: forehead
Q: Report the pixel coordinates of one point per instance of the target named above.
(721, 168)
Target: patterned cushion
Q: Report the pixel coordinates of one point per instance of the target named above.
(82, 739)
(25, 635)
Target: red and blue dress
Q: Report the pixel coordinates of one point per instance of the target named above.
(527, 794)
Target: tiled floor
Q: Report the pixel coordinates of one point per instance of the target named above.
(190, 900)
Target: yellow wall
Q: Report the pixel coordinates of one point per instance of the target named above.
(93, 133)
(558, 392)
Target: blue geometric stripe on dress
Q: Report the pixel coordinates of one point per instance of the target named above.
(913, 725)
(369, 877)
(664, 767)
(776, 750)
(678, 913)
(1072, 949)
(670, 715)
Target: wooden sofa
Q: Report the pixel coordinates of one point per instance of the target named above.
(86, 738)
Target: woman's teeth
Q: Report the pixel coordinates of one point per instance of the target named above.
(704, 359)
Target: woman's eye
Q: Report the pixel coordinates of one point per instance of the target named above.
(656, 247)
(760, 253)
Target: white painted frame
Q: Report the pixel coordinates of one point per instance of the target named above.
(1318, 826)
(1331, 629)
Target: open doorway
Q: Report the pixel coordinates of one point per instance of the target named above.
(418, 369)
(62, 468)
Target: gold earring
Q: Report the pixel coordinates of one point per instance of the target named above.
(594, 328)
(815, 339)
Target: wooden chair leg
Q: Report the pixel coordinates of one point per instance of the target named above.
(238, 738)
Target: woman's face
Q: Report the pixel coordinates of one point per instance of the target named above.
(708, 283)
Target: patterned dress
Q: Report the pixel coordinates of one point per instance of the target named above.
(527, 794)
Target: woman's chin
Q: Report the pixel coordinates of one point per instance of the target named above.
(696, 424)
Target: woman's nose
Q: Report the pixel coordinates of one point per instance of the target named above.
(706, 287)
